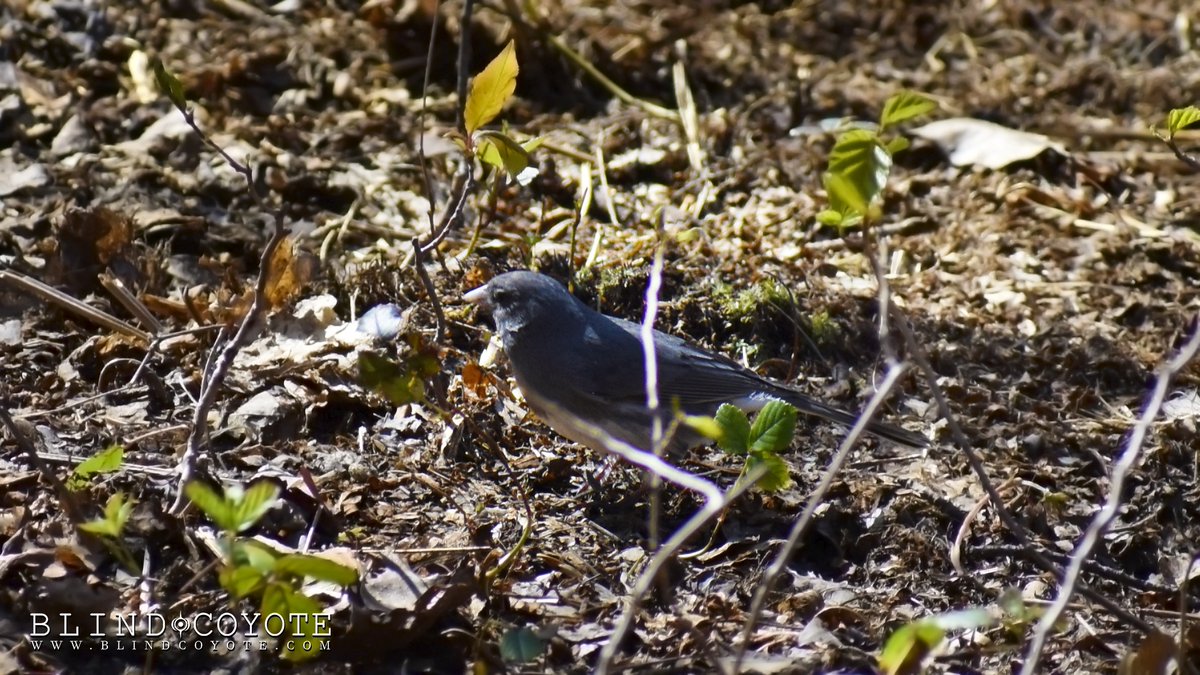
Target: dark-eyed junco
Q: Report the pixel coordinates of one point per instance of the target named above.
(581, 370)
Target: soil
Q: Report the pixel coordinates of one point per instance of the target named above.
(1045, 293)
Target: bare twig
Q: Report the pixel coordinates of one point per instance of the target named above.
(917, 354)
(51, 294)
(116, 288)
(430, 290)
(157, 342)
(1191, 161)
(779, 564)
(464, 67)
(197, 441)
(1091, 567)
(64, 495)
(895, 369)
(714, 502)
(464, 182)
(424, 161)
(217, 367)
(650, 359)
(464, 185)
(1112, 503)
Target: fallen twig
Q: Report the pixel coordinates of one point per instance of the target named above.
(1112, 502)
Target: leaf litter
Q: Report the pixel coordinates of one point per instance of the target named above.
(1046, 288)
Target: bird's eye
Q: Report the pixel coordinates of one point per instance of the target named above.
(501, 296)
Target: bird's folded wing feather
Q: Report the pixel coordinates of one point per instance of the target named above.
(694, 378)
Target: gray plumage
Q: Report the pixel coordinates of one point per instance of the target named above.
(575, 364)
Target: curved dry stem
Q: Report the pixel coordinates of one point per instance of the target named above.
(779, 564)
(1112, 502)
(650, 359)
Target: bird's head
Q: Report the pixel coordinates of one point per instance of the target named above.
(523, 298)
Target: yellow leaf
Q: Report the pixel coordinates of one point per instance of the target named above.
(491, 88)
(507, 155)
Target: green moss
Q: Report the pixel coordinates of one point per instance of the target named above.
(739, 305)
(824, 330)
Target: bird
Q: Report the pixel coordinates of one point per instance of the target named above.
(582, 371)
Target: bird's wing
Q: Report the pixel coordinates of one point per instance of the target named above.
(698, 380)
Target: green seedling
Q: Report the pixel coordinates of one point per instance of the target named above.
(252, 570)
(111, 528)
(759, 442)
(861, 161)
(108, 460)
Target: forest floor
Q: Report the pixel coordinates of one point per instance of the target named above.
(1046, 292)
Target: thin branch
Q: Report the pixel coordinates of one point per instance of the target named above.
(74, 513)
(197, 441)
(464, 56)
(714, 502)
(1184, 157)
(1104, 518)
(52, 294)
(430, 290)
(116, 288)
(464, 185)
(779, 563)
(917, 354)
(650, 359)
(424, 161)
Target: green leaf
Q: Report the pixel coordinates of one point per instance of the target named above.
(398, 383)
(117, 510)
(281, 599)
(1181, 118)
(169, 84)
(276, 598)
(241, 581)
(773, 428)
(776, 477)
(100, 527)
(897, 144)
(116, 515)
(255, 554)
(502, 152)
(491, 89)
(533, 143)
(904, 106)
(845, 196)
(521, 645)
(705, 426)
(908, 646)
(218, 509)
(301, 565)
(858, 169)
(735, 429)
(258, 499)
(831, 218)
(107, 460)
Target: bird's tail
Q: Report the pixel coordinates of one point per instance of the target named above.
(891, 432)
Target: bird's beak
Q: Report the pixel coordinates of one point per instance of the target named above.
(479, 296)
